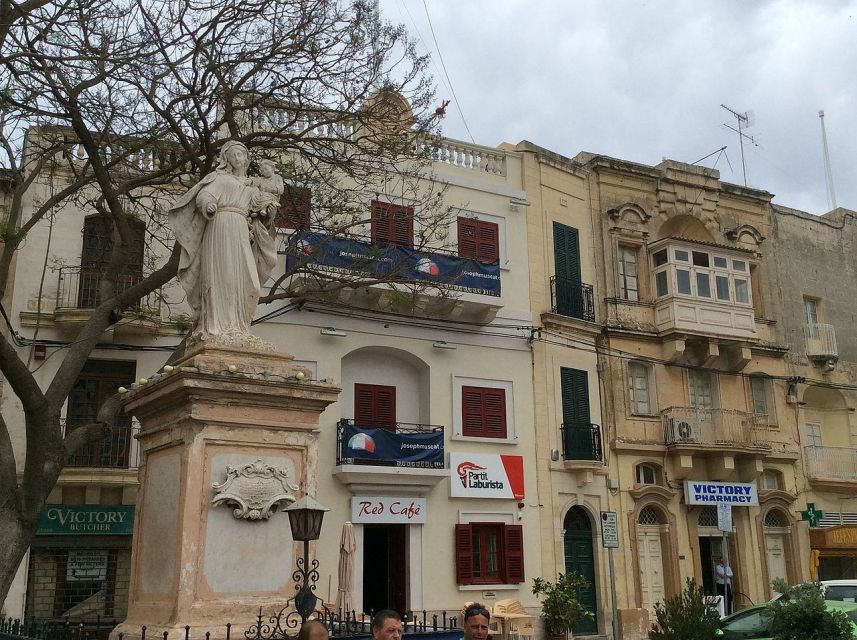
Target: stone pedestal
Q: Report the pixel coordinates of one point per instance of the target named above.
(195, 563)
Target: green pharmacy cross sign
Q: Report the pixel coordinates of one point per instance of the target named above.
(811, 515)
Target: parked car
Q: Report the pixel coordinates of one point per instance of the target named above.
(754, 623)
(839, 590)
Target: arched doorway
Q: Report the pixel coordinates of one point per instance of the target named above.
(650, 557)
(776, 527)
(580, 557)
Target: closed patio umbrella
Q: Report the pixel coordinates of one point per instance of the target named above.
(345, 588)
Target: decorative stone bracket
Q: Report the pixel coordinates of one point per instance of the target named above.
(256, 490)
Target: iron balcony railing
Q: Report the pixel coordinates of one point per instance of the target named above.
(573, 299)
(78, 288)
(834, 463)
(581, 441)
(715, 427)
(115, 451)
(408, 436)
(820, 341)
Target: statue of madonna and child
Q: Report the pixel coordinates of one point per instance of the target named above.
(225, 227)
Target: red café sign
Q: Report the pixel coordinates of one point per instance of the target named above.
(388, 510)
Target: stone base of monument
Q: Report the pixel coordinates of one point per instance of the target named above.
(226, 442)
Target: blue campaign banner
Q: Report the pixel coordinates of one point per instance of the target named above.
(367, 443)
(305, 248)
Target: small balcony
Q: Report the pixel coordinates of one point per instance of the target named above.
(410, 456)
(115, 451)
(694, 428)
(316, 258)
(820, 342)
(572, 299)
(581, 442)
(831, 467)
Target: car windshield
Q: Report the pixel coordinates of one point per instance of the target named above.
(841, 592)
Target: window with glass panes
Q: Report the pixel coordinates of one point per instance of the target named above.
(760, 391)
(638, 388)
(628, 282)
(489, 553)
(703, 274)
(701, 387)
(813, 434)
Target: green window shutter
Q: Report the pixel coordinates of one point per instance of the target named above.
(575, 396)
(566, 250)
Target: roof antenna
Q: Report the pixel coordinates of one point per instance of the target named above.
(745, 121)
(828, 170)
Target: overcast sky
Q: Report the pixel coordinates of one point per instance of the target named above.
(645, 80)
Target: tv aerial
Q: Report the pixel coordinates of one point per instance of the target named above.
(745, 121)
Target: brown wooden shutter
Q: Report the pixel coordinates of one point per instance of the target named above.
(489, 241)
(392, 224)
(463, 554)
(471, 411)
(483, 412)
(513, 540)
(478, 240)
(364, 400)
(375, 406)
(494, 410)
(385, 407)
(468, 247)
(295, 208)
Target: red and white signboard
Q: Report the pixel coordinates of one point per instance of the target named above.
(387, 510)
(484, 475)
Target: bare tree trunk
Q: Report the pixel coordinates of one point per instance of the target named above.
(16, 537)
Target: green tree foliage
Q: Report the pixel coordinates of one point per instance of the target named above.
(561, 609)
(685, 616)
(803, 616)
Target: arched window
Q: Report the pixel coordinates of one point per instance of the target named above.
(775, 519)
(649, 515)
(648, 474)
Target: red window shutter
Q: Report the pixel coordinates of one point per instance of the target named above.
(392, 224)
(478, 240)
(483, 412)
(295, 208)
(494, 410)
(385, 407)
(375, 405)
(463, 554)
(489, 242)
(467, 233)
(513, 543)
(364, 401)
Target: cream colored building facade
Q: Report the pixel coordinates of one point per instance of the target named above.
(569, 433)
(814, 257)
(466, 527)
(694, 380)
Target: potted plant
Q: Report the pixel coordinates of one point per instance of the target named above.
(561, 610)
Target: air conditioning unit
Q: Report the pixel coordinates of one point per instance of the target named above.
(684, 430)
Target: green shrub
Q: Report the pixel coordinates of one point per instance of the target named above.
(685, 616)
(561, 610)
(803, 616)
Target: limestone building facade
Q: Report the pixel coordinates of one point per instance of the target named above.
(694, 380)
(415, 363)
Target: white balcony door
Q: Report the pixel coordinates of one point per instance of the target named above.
(775, 550)
(651, 565)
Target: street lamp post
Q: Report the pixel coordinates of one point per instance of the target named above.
(305, 517)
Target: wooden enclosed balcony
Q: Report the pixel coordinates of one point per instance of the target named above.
(831, 467)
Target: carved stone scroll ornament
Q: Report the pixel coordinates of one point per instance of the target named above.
(256, 490)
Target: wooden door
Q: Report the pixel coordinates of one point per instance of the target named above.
(651, 566)
(580, 557)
